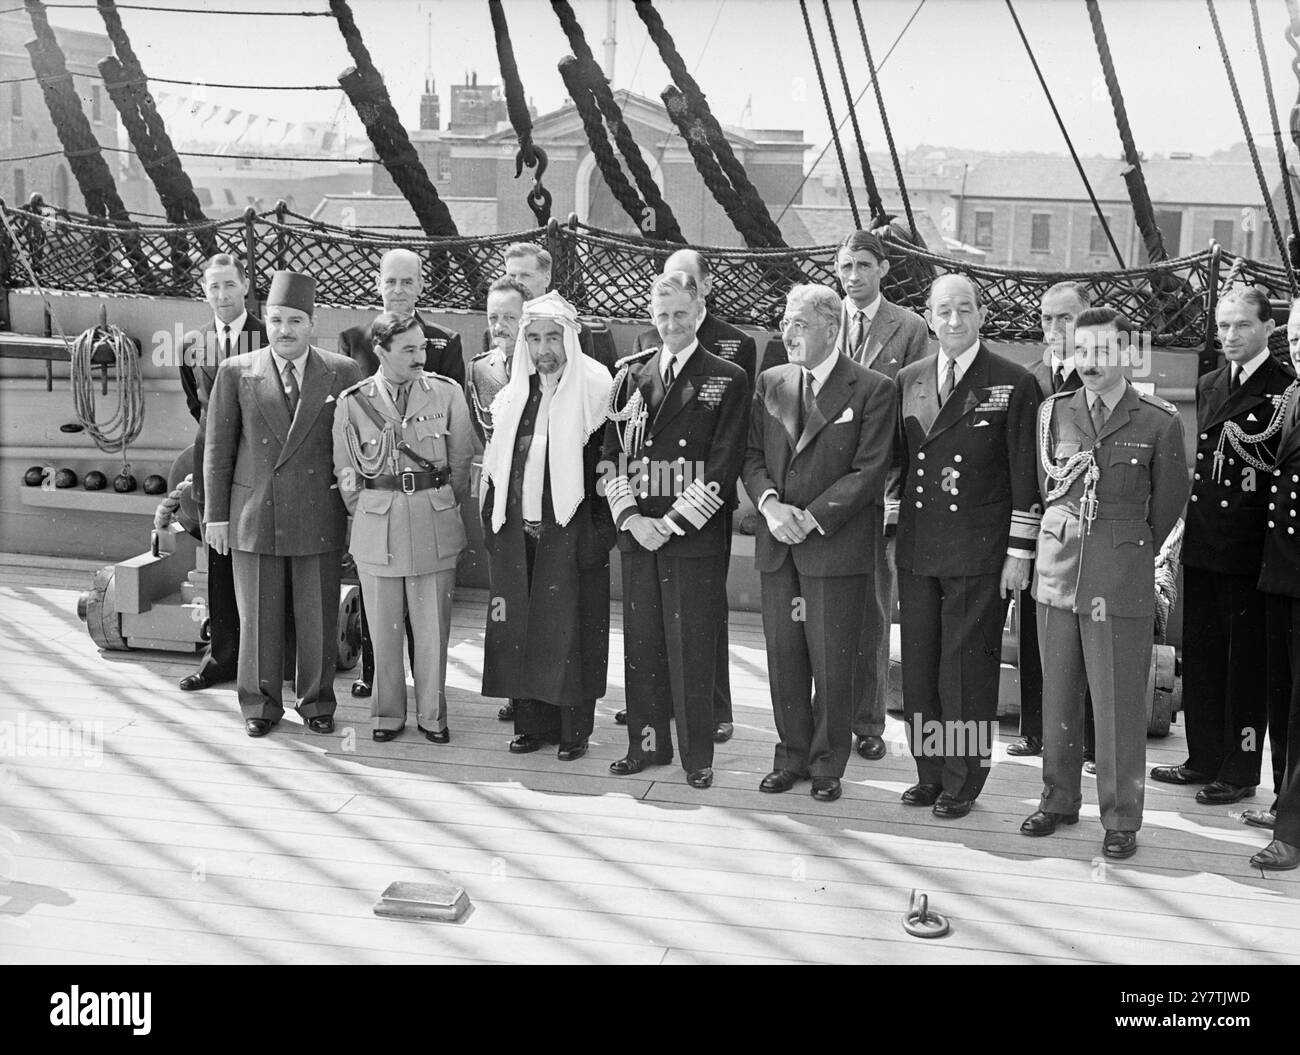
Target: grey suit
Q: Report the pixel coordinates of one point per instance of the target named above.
(270, 475)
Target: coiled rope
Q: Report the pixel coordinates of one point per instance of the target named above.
(123, 428)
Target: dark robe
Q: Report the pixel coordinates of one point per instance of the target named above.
(548, 639)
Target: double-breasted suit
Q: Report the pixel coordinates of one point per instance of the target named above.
(835, 467)
(1094, 582)
(1029, 662)
(442, 350)
(1279, 579)
(407, 533)
(1225, 702)
(968, 500)
(675, 457)
(198, 370)
(269, 473)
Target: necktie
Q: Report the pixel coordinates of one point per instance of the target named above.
(400, 399)
(859, 334)
(1098, 415)
(1235, 382)
(949, 381)
(670, 371)
(1058, 377)
(225, 343)
(291, 390)
(806, 400)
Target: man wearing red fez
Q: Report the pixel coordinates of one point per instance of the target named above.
(272, 505)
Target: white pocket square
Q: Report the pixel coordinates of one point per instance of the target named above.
(1251, 417)
(979, 424)
(846, 416)
(329, 399)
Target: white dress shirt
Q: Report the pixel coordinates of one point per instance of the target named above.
(963, 364)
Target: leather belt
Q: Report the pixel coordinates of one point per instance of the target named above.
(1113, 510)
(410, 482)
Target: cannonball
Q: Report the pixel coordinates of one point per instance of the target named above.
(34, 477)
(124, 483)
(94, 481)
(155, 484)
(65, 478)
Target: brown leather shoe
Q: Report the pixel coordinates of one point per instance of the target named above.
(1118, 845)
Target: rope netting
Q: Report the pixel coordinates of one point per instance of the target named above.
(604, 274)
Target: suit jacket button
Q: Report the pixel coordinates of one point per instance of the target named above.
(1270, 523)
(681, 443)
(1224, 503)
(1205, 435)
(956, 457)
(1273, 489)
(1141, 542)
(920, 490)
(1200, 456)
(649, 443)
(920, 472)
(920, 456)
(1272, 506)
(952, 508)
(1194, 497)
(265, 440)
(919, 505)
(1196, 476)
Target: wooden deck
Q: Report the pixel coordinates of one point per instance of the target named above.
(187, 842)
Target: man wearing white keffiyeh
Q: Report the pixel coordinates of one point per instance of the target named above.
(548, 534)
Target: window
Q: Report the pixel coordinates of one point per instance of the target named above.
(1097, 240)
(1225, 232)
(1040, 232)
(20, 187)
(17, 98)
(983, 228)
(444, 168)
(96, 104)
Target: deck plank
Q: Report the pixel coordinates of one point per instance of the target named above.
(179, 840)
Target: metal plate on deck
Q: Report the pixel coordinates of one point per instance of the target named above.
(441, 899)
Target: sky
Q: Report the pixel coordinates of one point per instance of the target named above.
(959, 75)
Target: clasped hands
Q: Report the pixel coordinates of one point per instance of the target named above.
(788, 524)
(650, 532)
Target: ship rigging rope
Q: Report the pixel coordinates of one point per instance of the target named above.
(1277, 131)
(178, 10)
(1083, 175)
(194, 82)
(830, 112)
(199, 154)
(813, 167)
(124, 427)
(1278, 236)
(875, 206)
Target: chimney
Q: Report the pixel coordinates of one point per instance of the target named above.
(430, 108)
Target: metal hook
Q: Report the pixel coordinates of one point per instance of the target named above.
(528, 148)
(920, 922)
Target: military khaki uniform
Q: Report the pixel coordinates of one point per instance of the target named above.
(407, 536)
(1095, 586)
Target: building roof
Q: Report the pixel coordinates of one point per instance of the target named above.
(827, 224)
(1191, 181)
(391, 211)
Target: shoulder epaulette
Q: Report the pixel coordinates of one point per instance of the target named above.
(637, 355)
(430, 375)
(354, 388)
(1156, 401)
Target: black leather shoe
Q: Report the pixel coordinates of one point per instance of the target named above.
(1259, 818)
(507, 712)
(826, 789)
(1026, 745)
(871, 748)
(570, 752)
(1120, 844)
(722, 732)
(322, 723)
(626, 767)
(361, 688)
(921, 795)
(195, 682)
(777, 781)
(436, 736)
(257, 726)
(951, 808)
(1179, 775)
(525, 744)
(700, 778)
(620, 717)
(1221, 793)
(382, 736)
(1044, 823)
(1277, 856)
